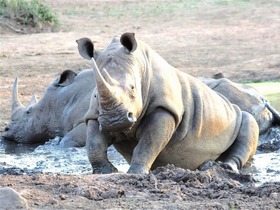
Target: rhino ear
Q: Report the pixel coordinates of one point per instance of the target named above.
(86, 48)
(128, 41)
(66, 78)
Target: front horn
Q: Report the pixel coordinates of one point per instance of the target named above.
(16, 104)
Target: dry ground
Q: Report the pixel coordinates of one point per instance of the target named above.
(239, 38)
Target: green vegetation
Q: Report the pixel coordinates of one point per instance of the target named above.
(28, 12)
(266, 88)
(157, 8)
(146, 8)
(270, 90)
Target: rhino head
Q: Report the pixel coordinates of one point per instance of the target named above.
(23, 125)
(36, 122)
(118, 87)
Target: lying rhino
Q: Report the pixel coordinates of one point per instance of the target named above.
(59, 113)
(155, 114)
(248, 99)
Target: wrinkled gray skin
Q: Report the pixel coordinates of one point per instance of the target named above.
(248, 99)
(155, 114)
(59, 113)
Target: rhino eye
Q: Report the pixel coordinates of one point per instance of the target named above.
(132, 87)
(132, 92)
(28, 111)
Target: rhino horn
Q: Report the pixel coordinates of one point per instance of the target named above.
(33, 100)
(108, 78)
(104, 88)
(16, 104)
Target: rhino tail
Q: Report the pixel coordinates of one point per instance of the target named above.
(275, 113)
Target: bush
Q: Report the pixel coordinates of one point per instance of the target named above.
(28, 12)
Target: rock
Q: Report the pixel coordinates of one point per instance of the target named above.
(10, 199)
(62, 197)
(53, 201)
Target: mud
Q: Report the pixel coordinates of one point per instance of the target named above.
(167, 187)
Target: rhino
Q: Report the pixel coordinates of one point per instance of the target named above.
(248, 99)
(156, 115)
(60, 112)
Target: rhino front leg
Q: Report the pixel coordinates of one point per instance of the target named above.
(75, 138)
(97, 146)
(245, 145)
(153, 135)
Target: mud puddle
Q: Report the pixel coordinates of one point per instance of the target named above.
(50, 158)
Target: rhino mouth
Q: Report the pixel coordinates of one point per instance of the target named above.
(116, 120)
(7, 137)
(14, 136)
(12, 133)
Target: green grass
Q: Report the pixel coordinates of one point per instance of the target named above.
(145, 8)
(28, 12)
(149, 9)
(266, 88)
(270, 90)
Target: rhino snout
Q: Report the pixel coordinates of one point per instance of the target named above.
(6, 136)
(11, 134)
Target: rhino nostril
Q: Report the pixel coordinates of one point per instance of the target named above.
(131, 118)
(6, 129)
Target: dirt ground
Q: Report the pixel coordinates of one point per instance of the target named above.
(239, 38)
(166, 188)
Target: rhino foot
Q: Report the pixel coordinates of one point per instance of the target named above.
(208, 164)
(137, 169)
(231, 165)
(103, 168)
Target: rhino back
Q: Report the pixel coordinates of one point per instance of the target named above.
(77, 98)
(247, 98)
(67, 105)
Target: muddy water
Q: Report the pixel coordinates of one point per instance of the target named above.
(50, 158)
(266, 165)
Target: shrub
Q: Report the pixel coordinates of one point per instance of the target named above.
(28, 12)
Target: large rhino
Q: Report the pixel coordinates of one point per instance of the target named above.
(155, 114)
(60, 112)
